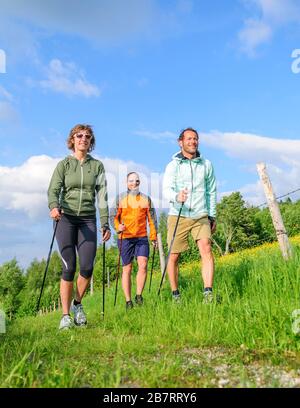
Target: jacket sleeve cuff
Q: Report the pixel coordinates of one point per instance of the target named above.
(53, 205)
(104, 223)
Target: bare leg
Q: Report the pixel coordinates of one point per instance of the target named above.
(66, 290)
(142, 274)
(82, 284)
(173, 270)
(204, 246)
(126, 281)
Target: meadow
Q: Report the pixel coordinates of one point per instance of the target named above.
(248, 337)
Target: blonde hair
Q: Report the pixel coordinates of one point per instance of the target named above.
(74, 130)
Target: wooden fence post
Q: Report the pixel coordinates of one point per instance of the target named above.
(282, 237)
(161, 253)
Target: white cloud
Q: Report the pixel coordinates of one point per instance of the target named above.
(254, 147)
(100, 21)
(24, 25)
(282, 158)
(116, 172)
(67, 79)
(103, 21)
(272, 15)
(24, 215)
(24, 188)
(23, 239)
(253, 34)
(279, 11)
(283, 182)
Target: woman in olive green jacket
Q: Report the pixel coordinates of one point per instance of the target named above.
(76, 182)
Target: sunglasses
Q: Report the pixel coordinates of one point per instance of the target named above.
(134, 181)
(80, 136)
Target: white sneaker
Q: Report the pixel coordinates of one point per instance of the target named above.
(79, 315)
(208, 297)
(66, 323)
(176, 298)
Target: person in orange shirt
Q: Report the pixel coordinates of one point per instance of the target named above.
(129, 216)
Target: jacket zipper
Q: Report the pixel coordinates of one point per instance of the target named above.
(192, 179)
(80, 199)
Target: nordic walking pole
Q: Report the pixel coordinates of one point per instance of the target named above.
(103, 280)
(47, 265)
(170, 249)
(118, 270)
(152, 268)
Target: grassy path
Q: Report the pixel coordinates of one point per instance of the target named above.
(245, 341)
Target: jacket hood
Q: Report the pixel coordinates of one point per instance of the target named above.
(180, 157)
(74, 160)
(88, 157)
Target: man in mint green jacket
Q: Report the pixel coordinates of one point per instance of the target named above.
(189, 182)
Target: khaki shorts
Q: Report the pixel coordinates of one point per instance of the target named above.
(199, 228)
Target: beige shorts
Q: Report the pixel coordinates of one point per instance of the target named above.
(199, 228)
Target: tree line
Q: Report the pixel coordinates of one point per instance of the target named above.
(239, 226)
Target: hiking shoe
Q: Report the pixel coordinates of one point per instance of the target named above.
(139, 300)
(208, 297)
(129, 305)
(176, 297)
(66, 323)
(79, 315)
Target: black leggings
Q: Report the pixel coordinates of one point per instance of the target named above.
(77, 233)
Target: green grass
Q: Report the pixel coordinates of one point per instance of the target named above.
(244, 341)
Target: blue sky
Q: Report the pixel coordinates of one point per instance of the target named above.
(139, 71)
